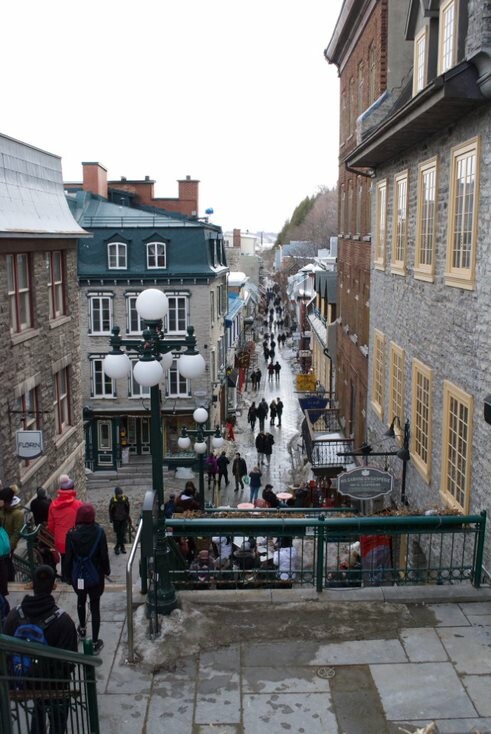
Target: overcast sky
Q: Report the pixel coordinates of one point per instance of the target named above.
(235, 93)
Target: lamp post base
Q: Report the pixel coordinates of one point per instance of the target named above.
(162, 598)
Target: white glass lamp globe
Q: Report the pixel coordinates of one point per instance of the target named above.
(191, 365)
(152, 304)
(184, 442)
(116, 365)
(148, 373)
(200, 447)
(167, 360)
(200, 415)
(217, 442)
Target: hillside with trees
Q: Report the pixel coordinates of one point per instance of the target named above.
(313, 220)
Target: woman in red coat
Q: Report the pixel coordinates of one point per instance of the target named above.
(61, 515)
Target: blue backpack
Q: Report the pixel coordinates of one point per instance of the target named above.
(23, 665)
(84, 570)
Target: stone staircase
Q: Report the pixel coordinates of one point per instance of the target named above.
(136, 475)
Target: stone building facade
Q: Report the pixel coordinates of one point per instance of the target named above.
(39, 321)
(430, 303)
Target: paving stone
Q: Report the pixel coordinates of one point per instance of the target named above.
(423, 645)
(218, 729)
(469, 648)
(172, 716)
(479, 620)
(449, 615)
(308, 713)
(287, 653)
(360, 652)
(218, 700)
(356, 701)
(445, 726)
(481, 607)
(283, 680)
(479, 691)
(421, 691)
(123, 714)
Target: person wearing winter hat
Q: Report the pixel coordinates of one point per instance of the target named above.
(61, 515)
(119, 515)
(40, 506)
(87, 539)
(12, 520)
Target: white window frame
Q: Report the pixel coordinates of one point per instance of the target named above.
(177, 386)
(19, 294)
(131, 311)
(97, 374)
(119, 256)
(420, 64)
(396, 387)
(155, 251)
(447, 35)
(425, 220)
(381, 225)
(135, 390)
(400, 223)
(56, 284)
(378, 373)
(177, 319)
(100, 298)
(422, 419)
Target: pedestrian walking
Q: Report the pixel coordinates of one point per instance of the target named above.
(239, 470)
(12, 520)
(262, 412)
(229, 430)
(61, 515)
(40, 506)
(187, 502)
(119, 515)
(86, 546)
(272, 412)
(254, 483)
(212, 469)
(252, 416)
(222, 463)
(277, 369)
(259, 375)
(279, 410)
(170, 506)
(266, 353)
(253, 380)
(39, 616)
(260, 444)
(270, 372)
(268, 447)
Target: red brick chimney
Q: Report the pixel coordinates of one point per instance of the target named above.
(236, 238)
(188, 196)
(95, 179)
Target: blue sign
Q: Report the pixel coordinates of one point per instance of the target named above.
(313, 403)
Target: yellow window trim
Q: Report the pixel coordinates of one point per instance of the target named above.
(462, 277)
(379, 344)
(443, 7)
(380, 250)
(425, 272)
(395, 351)
(424, 468)
(398, 267)
(452, 391)
(417, 39)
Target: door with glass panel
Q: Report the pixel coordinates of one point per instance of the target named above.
(105, 457)
(139, 435)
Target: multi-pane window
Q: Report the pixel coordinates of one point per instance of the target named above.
(27, 407)
(156, 255)
(447, 50)
(424, 266)
(135, 389)
(102, 385)
(419, 67)
(212, 306)
(178, 386)
(134, 323)
(177, 317)
(56, 284)
(396, 386)
(19, 292)
(457, 444)
(462, 225)
(378, 377)
(381, 225)
(62, 400)
(100, 314)
(116, 256)
(372, 73)
(421, 436)
(399, 240)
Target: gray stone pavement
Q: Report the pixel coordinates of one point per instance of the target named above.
(348, 661)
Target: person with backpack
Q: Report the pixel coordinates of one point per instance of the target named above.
(86, 564)
(119, 515)
(38, 619)
(12, 520)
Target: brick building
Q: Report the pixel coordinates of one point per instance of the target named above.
(39, 320)
(358, 47)
(136, 246)
(429, 147)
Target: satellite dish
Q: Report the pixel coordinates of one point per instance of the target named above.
(209, 211)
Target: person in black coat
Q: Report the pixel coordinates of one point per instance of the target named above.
(39, 506)
(59, 631)
(79, 542)
(239, 470)
(223, 463)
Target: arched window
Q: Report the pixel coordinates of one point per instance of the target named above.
(116, 256)
(156, 255)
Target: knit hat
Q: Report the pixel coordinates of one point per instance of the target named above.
(7, 495)
(41, 492)
(85, 514)
(118, 490)
(66, 482)
(43, 580)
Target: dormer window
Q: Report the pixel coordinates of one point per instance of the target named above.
(116, 256)
(419, 68)
(156, 255)
(447, 42)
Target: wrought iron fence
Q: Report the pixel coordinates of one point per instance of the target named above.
(325, 551)
(59, 688)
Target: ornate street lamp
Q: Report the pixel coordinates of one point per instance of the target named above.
(155, 356)
(200, 434)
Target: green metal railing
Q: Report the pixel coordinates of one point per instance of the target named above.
(60, 690)
(328, 552)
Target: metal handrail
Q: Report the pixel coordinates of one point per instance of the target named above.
(129, 594)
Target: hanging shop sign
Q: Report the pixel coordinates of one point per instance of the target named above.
(306, 383)
(365, 483)
(29, 444)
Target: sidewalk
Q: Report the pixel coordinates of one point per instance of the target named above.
(360, 661)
